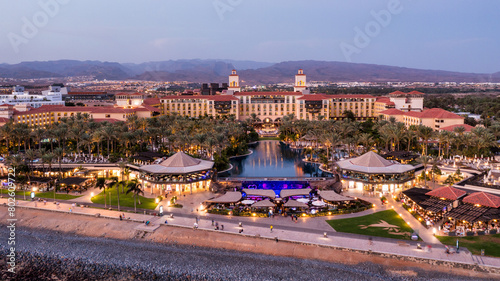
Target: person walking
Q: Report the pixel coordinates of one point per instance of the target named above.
(271, 227)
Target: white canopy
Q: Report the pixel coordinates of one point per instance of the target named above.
(332, 196)
(229, 197)
(372, 163)
(303, 200)
(263, 204)
(319, 203)
(295, 204)
(247, 202)
(293, 192)
(178, 164)
(260, 192)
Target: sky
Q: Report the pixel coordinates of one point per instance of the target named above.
(450, 35)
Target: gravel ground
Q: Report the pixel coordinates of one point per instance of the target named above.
(47, 255)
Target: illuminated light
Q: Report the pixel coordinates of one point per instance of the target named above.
(329, 213)
(303, 214)
(92, 194)
(254, 214)
(34, 188)
(157, 200)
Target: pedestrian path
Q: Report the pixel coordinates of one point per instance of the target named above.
(281, 232)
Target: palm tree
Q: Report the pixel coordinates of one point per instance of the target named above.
(134, 187)
(425, 133)
(101, 184)
(112, 183)
(59, 154)
(425, 160)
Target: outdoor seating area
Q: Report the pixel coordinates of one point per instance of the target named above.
(454, 213)
(267, 199)
(371, 172)
(178, 173)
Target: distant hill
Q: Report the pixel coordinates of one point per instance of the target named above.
(250, 72)
(343, 71)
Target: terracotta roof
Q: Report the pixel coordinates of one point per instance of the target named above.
(110, 120)
(415, 93)
(385, 100)
(483, 199)
(268, 94)
(151, 101)
(439, 113)
(129, 94)
(397, 93)
(146, 108)
(447, 192)
(214, 97)
(350, 96)
(392, 111)
(467, 127)
(315, 97)
(87, 93)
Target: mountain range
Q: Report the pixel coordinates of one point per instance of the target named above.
(251, 72)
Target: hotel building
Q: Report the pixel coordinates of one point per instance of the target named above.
(270, 107)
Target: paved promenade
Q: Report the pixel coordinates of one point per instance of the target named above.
(306, 230)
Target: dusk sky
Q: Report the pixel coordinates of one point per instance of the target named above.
(447, 35)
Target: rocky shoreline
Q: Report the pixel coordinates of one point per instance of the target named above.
(52, 255)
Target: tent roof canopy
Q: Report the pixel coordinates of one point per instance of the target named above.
(295, 204)
(260, 192)
(372, 163)
(330, 195)
(179, 163)
(263, 204)
(293, 192)
(447, 192)
(229, 197)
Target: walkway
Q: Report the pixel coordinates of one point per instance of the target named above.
(305, 231)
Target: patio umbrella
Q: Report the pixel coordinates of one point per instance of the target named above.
(303, 200)
(247, 202)
(319, 203)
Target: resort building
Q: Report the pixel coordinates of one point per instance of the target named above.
(412, 101)
(270, 107)
(370, 172)
(435, 118)
(48, 114)
(178, 173)
(19, 96)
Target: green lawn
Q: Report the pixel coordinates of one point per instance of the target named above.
(490, 243)
(48, 195)
(59, 196)
(126, 200)
(269, 138)
(373, 225)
